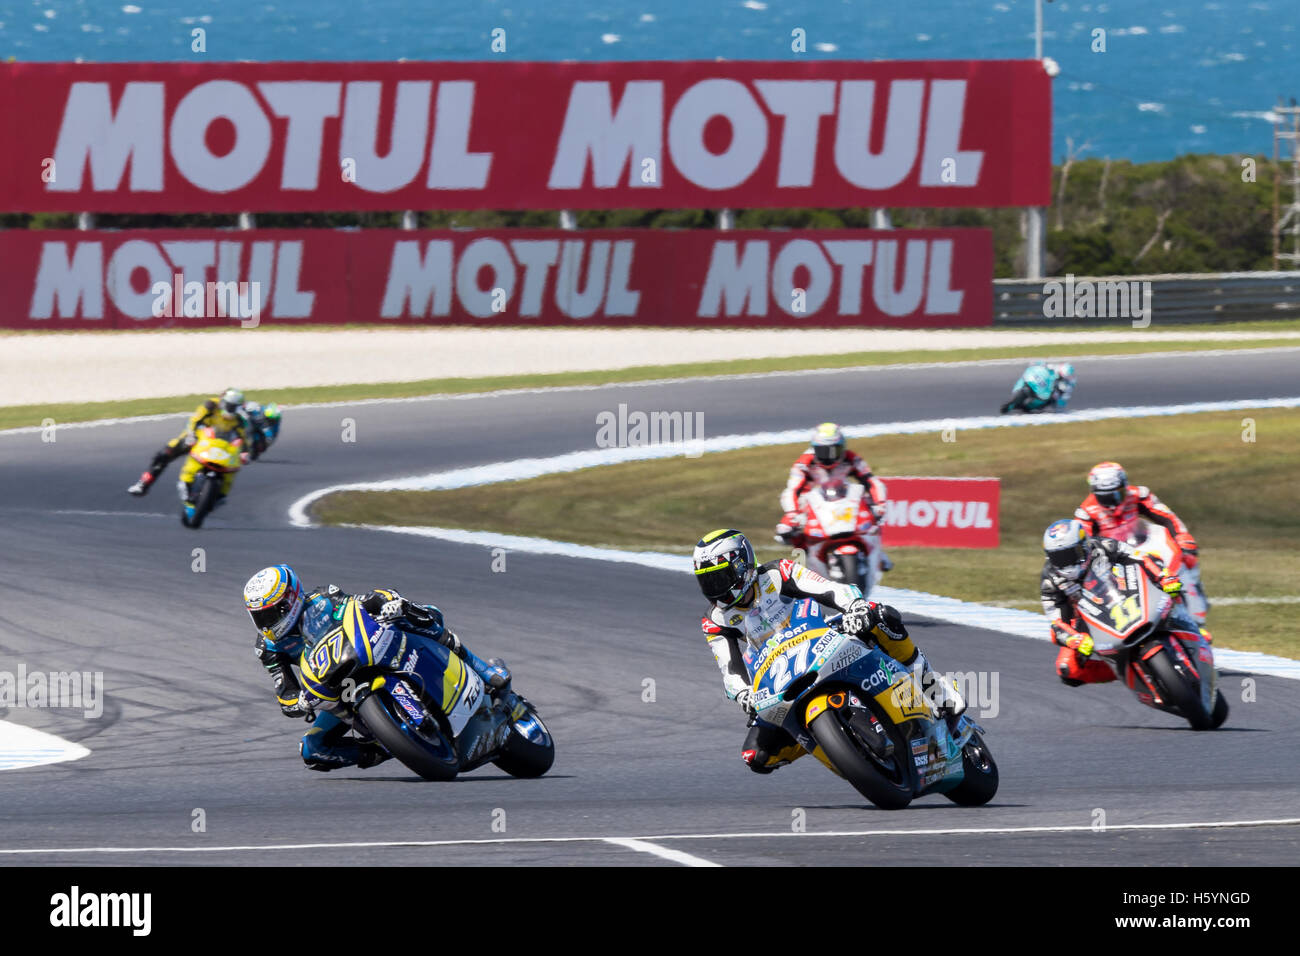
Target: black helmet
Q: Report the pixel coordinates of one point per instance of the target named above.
(724, 566)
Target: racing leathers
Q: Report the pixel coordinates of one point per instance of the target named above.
(780, 584)
(325, 746)
(209, 413)
(808, 473)
(1060, 594)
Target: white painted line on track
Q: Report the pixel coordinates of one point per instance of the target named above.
(660, 838)
(676, 856)
(658, 382)
(22, 746)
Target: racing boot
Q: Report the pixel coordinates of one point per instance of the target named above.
(142, 486)
(325, 747)
(946, 702)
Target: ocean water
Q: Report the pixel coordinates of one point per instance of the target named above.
(1177, 76)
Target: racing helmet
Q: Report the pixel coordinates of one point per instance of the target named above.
(1109, 484)
(828, 444)
(274, 598)
(1065, 544)
(254, 410)
(724, 566)
(271, 412)
(231, 400)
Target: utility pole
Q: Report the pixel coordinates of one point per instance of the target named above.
(1286, 220)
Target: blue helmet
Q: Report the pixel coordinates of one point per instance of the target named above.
(1065, 543)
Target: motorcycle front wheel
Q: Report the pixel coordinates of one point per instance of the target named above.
(979, 780)
(205, 499)
(425, 750)
(522, 757)
(859, 769)
(1179, 691)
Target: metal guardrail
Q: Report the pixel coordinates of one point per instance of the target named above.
(1195, 297)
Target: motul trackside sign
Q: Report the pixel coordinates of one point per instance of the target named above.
(942, 512)
(206, 277)
(229, 137)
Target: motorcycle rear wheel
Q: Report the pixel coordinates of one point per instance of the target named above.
(1220, 710)
(433, 757)
(1181, 692)
(979, 782)
(521, 757)
(856, 767)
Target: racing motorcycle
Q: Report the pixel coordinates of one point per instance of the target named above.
(1041, 387)
(265, 421)
(420, 702)
(865, 716)
(1162, 657)
(1154, 539)
(213, 457)
(838, 533)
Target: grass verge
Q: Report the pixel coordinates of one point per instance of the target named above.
(1238, 497)
(20, 416)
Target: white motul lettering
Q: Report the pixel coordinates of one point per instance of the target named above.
(537, 256)
(451, 164)
(896, 512)
(940, 297)
(943, 136)
(982, 519)
(897, 156)
(307, 105)
(360, 130)
(802, 104)
(621, 299)
(573, 302)
(737, 284)
(126, 259)
(904, 300)
(613, 140)
(91, 130)
(418, 282)
(699, 104)
(197, 110)
(942, 509)
(480, 254)
(62, 285)
(852, 256)
(921, 514)
(793, 255)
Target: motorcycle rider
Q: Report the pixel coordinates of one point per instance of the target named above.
(264, 425)
(827, 459)
(1114, 505)
(289, 620)
(750, 602)
(1070, 551)
(224, 412)
(1041, 385)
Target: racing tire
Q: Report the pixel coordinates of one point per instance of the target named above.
(204, 501)
(432, 757)
(979, 782)
(521, 757)
(1220, 710)
(859, 769)
(1180, 692)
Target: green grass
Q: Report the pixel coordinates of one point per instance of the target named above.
(18, 416)
(1238, 498)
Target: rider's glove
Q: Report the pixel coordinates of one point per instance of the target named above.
(244, 458)
(1067, 636)
(391, 611)
(295, 708)
(1170, 584)
(861, 617)
(745, 698)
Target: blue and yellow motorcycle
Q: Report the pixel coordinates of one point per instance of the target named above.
(420, 702)
(865, 716)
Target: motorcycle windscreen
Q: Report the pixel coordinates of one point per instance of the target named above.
(1120, 604)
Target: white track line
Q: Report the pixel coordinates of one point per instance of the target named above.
(660, 838)
(677, 856)
(656, 382)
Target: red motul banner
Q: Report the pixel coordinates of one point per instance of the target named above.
(941, 512)
(204, 277)
(232, 137)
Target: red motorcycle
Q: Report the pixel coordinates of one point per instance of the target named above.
(836, 528)
(1160, 655)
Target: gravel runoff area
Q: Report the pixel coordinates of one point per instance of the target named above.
(53, 367)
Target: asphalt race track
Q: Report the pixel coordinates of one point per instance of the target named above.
(93, 579)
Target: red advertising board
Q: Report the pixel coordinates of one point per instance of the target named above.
(942, 512)
(190, 278)
(231, 137)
